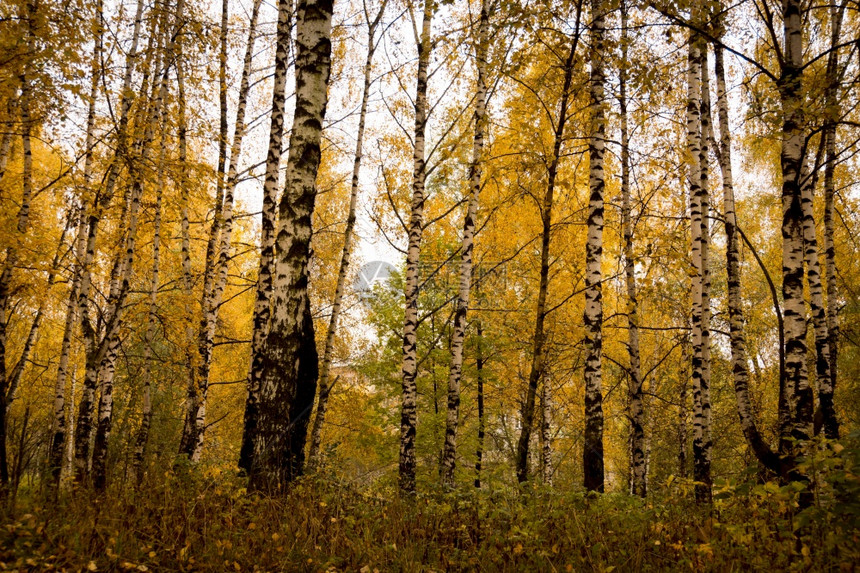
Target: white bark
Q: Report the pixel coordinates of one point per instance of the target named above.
(290, 362)
(466, 247)
(263, 294)
(593, 314)
(408, 415)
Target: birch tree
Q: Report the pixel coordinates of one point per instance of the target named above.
(696, 133)
(449, 451)
(827, 387)
(593, 315)
(409, 370)
(791, 161)
(740, 370)
(220, 238)
(97, 348)
(263, 292)
(290, 368)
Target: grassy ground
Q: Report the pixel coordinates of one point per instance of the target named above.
(195, 523)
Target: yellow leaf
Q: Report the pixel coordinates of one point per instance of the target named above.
(518, 548)
(91, 566)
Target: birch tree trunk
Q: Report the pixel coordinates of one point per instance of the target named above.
(290, 368)
(121, 279)
(192, 357)
(95, 349)
(152, 322)
(827, 387)
(263, 294)
(116, 304)
(58, 439)
(702, 451)
(637, 413)
(408, 415)
(791, 160)
(220, 238)
(592, 459)
(449, 451)
(546, 431)
(346, 254)
(539, 339)
(694, 151)
(198, 383)
(816, 295)
(8, 135)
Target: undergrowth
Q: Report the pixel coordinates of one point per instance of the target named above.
(196, 520)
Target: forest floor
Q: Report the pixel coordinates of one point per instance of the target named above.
(193, 522)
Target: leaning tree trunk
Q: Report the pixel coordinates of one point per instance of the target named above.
(290, 368)
(17, 373)
(262, 309)
(740, 370)
(325, 366)
(409, 370)
(539, 338)
(58, 434)
(458, 337)
(636, 411)
(592, 459)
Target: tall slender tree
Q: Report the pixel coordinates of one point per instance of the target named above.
(695, 136)
(593, 314)
(826, 388)
(220, 238)
(458, 337)
(409, 371)
(539, 339)
(96, 347)
(634, 373)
